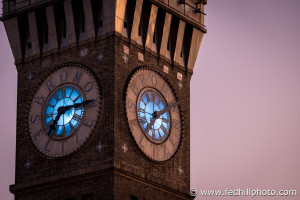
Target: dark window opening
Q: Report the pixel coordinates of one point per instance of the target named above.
(159, 27)
(181, 54)
(129, 14)
(82, 22)
(29, 45)
(97, 9)
(168, 45)
(145, 16)
(140, 31)
(187, 40)
(64, 27)
(42, 27)
(60, 22)
(173, 35)
(46, 33)
(100, 23)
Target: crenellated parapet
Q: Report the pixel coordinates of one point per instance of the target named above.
(35, 27)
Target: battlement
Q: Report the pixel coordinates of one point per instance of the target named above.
(35, 27)
(193, 9)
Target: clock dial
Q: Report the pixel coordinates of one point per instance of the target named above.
(64, 111)
(67, 122)
(149, 104)
(153, 115)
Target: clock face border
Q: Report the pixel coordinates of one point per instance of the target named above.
(138, 80)
(66, 74)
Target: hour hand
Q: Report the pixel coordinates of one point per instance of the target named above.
(52, 126)
(152, 120)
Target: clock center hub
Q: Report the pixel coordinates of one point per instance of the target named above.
(67, 115)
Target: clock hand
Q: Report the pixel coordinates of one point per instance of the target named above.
(152, 120)
(157, 115)
(77, 105)
(63, 109)
(52, 126)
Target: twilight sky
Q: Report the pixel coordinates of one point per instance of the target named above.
(245, 100)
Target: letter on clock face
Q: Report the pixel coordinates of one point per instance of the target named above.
(60, 85)
(147, 94)
(63, 76)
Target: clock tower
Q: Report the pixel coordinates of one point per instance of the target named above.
(103, 97)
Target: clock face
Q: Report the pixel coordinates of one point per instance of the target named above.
(63, 97)
(64, 111)
(153, 115)
(150, 103)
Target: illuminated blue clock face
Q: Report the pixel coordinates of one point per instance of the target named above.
(153, 115)
(61, 117)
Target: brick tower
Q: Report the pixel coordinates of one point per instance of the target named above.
(103, 97)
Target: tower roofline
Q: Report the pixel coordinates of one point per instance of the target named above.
(11, 10)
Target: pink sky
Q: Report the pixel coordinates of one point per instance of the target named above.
(245, 100)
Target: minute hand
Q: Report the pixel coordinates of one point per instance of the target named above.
(77, 105)
(159, 113)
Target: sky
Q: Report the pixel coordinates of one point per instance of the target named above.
(245, 100)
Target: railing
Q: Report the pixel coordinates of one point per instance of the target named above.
(13, 5)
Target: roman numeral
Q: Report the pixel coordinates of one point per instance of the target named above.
(142, 110)
(71, 127)
(48, 115)
(76, 98)
(148, 97)
(163, 128)
(63, 131)
(76, 117)
(143, 120)
(153, 133)
(165, 120)
(79, 108)
(160, 136)
(63, 92)
(56, 98)
(156, 99)
(51, 105)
